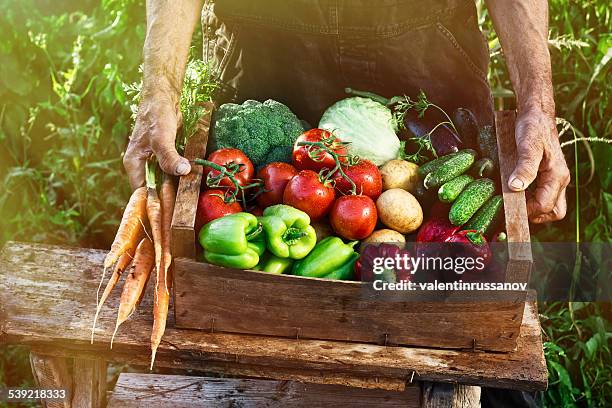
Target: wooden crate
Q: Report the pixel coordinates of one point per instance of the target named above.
(213, 298)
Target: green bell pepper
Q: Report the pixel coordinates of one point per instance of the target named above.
(234, 241)
(327, 256)
(273, 264)
(288, 231)
(346, 271)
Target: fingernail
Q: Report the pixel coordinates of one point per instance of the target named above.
(517, 183)
(183, 168)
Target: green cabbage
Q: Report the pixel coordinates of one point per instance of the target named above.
(368, 125)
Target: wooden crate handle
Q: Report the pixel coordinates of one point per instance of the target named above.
(188, 191)
(515, 205)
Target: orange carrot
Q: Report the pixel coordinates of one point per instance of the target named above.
(129, 231)
(154, 212)
(120, 266)
(162, 289)
(168, 197)
(129, 228)
(133, 288)
(160, 315)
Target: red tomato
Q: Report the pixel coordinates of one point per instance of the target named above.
(353, 216)
(211, 206)
(301, 156)
(366, 177)
(227, 156)
(307, 193)
(275, 177)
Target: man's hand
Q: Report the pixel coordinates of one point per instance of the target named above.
(522, 26)
(154, 132)
(540, 159)
(170, 25)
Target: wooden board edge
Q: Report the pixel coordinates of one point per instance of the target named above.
(184, 217)
(515, 206)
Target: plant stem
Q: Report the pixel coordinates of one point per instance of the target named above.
(324, 148)
(230, 174)
(369, 95)
(150, 173)
(450, 121)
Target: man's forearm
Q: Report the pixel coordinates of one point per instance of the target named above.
(522, 26)
(170, 26)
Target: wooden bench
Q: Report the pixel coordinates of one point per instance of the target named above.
(47, 302)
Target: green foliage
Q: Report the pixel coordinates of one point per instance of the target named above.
(64, 118)
(577, 350)
(264, 131)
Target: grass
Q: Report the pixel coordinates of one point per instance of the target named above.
(65, 116)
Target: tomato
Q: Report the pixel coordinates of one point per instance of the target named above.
(306, 192)
(275, 177)
(366, 177)
(224, 157)
(211, 206)
(353, 217)
(301, 156)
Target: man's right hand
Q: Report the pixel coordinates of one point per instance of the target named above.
(154, 132)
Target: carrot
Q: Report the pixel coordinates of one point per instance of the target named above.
(129, 228)
(129, 231)
(160, 315)
(134, 285)
(120, 266)
(162, 289)
(154, 212)
(168, 197)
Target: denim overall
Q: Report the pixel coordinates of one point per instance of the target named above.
(305, 52)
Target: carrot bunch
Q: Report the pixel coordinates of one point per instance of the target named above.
(142, 250)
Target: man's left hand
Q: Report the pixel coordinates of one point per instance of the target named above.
(540, 159)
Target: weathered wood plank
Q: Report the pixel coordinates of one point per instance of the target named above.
(515, 206)
(183, 220)
(251, 302)
(441, 395)
(51, 373)
(47, 298)
(173, 391)
(89, 379)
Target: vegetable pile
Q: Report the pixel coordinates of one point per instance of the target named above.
(350, 180)
(321, 203)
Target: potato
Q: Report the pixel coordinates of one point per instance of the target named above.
(384, 236)
(322, 229)
(400, 174)
(399, 210)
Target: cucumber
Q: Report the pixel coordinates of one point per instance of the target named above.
(426, 168)
(487, 217)
(450, 190)
(483, 167)
(470, 200)
(450, 169)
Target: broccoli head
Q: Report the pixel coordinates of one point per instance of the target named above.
(265, 132)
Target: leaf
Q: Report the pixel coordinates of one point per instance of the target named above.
(14, 77)
(591, 346)
(562, 374)
(600, 65)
